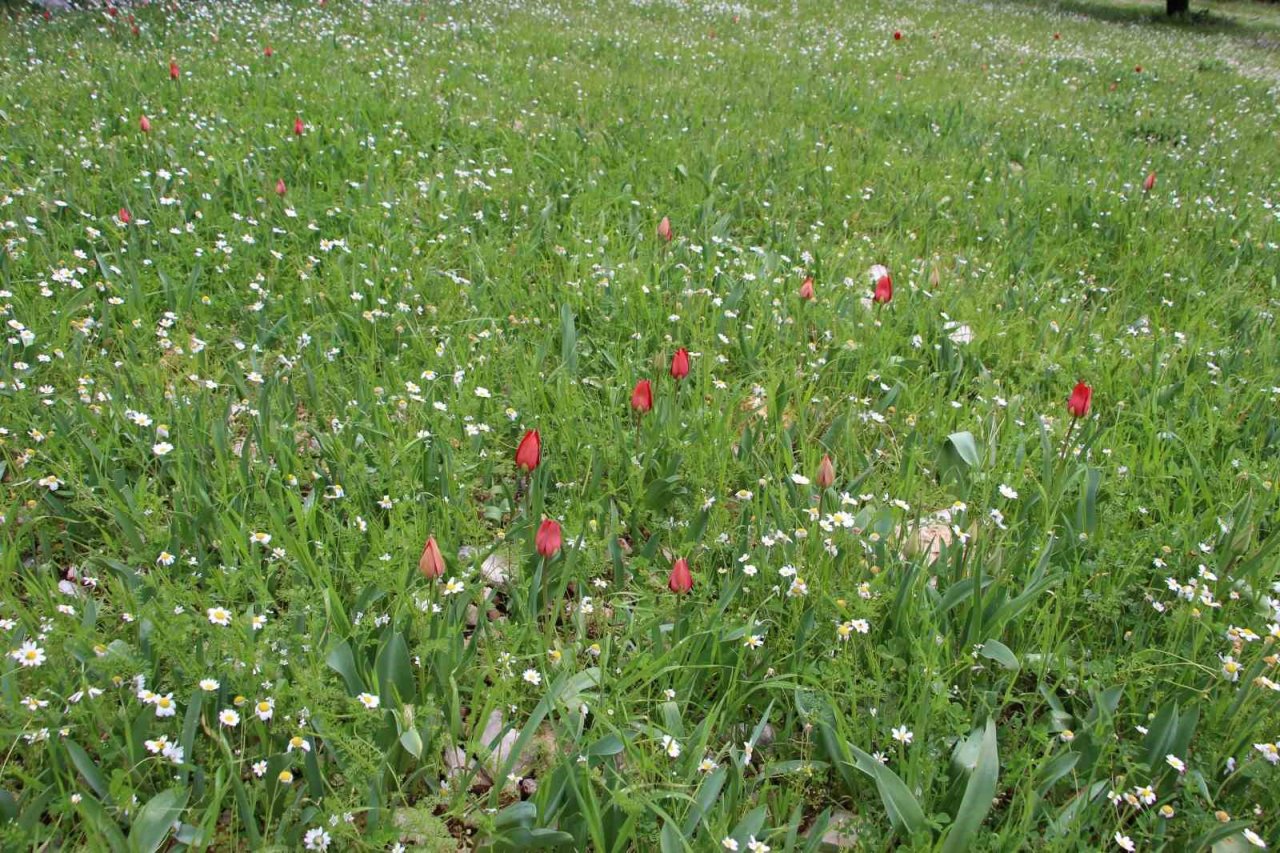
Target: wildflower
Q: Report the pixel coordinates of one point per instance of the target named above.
(298, 126)
(259, 769)
(903, 735)
(28, 654)
(298, 742)
(431, 563)
(529, 451)
(532, 676)
(664, 230)
(642, 396)
(173, 70)
(680, 364)
(753, 641)
(1125, 842)
(806, 289)
(826, 472)
(1175, 762)
(547, 539)
(670, 746)
(229, 718)
(883, 284)
(1254, 838)
(208, 685)
(369, 701)
(1166, 811)
(680, 581)
(285, 777)
(757, 846)
(1149, 183)
(316, 839)
(1078, 403)
(124, 216)
(219, 616)
(281, 189)
(265, 709)
(165, 706)
(260, 538)
(144, 124)
(1008, 492)
(729, 844)
(1231, 668)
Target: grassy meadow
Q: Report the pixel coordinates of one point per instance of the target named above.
(336, 512)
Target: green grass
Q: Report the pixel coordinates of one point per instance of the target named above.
(468, 249)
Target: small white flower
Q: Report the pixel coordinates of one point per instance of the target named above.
(1175, 762)
(903, 735)
(369, 700)
(1125, 842)
(1008, 492)
(670, 746)
(229, 718)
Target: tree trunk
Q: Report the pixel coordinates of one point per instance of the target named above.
(1176, 7)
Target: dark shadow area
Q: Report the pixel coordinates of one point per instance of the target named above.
(1262, 30)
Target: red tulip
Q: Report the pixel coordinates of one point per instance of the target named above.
(680, 581)
(1057, 36)
(884, 289)
(280, 187)
(431, 564)
(547, 540)
(1137, 69)
(826, 472)
(144, 124)
(112, 11)
(642, 396)
(267, 51)
(897, 35)
(173, 70)
(806, 288)
(1150, 183)
(680, 364)
(664, 230)
(46, 15)
(1081, 397)
(125, 216)
(529, 451)
(298, 127)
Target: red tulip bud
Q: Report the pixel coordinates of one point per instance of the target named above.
(680, 581)
(1150, 183)
(664, 230)
(529, 451)
(1137, 69)
(897, 35)
(173, 70)
(431, 564)
(826, 472)
(806, 288)
(46, 15)
(642, 396)
(125, 216)
(280, 187)
(680, 364)
(298, 127)
(1081, 397)
(267, 51)
(547, 540)
(144, 124)
(884, 289)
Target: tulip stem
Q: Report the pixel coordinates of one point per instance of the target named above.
(1066, 442)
